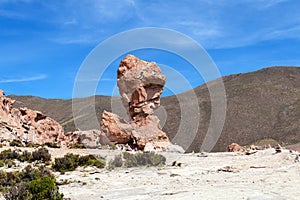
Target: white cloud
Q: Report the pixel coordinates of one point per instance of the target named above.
(24, 79)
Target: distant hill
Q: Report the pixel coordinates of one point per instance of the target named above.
(264, 104)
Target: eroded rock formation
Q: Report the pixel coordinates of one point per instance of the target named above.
(27, 126)
(140, 84)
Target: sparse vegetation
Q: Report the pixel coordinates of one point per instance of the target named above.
(71, 161)
(16, 143)
(44, 188)
(51, 145)
(143, 159)
(19, 191)
(77, 146)
(19, 185)
(42, 154)
(30, 145)
(116, 162)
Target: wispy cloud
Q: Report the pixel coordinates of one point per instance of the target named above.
(24, 79)
(292, 32)
(214, 24)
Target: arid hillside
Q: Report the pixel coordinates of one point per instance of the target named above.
(264, 104)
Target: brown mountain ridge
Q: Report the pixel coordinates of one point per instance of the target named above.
(264, 104)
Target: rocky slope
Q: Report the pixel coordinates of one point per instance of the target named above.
(264, 104)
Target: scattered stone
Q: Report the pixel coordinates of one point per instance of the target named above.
(254, 147)
(278, 149)
(250, 152)
(227, 169)
(89, 139)
(257, 167)
(202, 154)
(174, 175)
(176, 164)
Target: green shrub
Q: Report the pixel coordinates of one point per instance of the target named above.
(1, 163)
(16, 143)
(51, 145)
(9, 154)
(77, 146)
(91, 160)
(45, 188)
(143, 159)
(19, 191)
(29, 173)
(26, 156)
(116, 162)
(97, 162)
(112, 147)
(9, 179)
(71, 161)
(41, 154)
(9, 163)
(67, 163)
(29, 184)
(31, 145)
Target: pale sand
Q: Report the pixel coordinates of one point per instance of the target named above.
(260, 176)
(264, 175)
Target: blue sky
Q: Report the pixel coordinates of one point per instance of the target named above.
(43, 43)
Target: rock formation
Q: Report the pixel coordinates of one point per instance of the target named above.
(140, 84)
(27, 126)
(234, 147)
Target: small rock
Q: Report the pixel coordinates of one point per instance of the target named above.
(234, 147)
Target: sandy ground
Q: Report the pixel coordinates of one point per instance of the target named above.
(264, 175)
(260, 176)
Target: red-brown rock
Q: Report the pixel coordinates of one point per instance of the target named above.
(234, 147)
(27, 126)
(115, 128)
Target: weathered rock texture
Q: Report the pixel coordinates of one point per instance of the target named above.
(234, 147)
(27, 126)
(33, 127)
(140, 84)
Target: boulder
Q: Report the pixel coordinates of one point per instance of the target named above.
(116, 129)
(89, 139)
